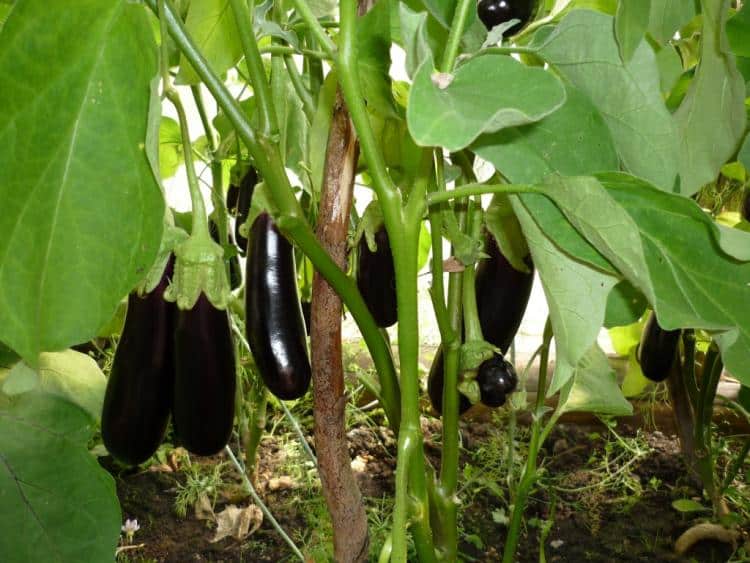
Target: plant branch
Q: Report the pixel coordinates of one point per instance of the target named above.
(317, 30)
(460, 15)
(481, 189)
(285, 50)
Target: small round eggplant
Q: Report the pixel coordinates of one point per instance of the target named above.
(497, 379)
(657, 350)
(502, 295)
(139, 388)
(274, 322)
(205, 378)
(244, 198)
(495, 12)
(376, 279)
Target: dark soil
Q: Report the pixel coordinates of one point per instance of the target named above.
(604, 524)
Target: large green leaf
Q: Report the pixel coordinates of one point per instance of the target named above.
(631, 22)
(711, 117)
(486, 94)
(58, 504)
(666, 246)
(576, 295)
(170, 147)
(82, 213)
(421, 37)
(667, 16)
(593, 388)
(628, 95)
(69, 374)
(573, 140)
(213, 28)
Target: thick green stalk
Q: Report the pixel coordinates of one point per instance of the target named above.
(284, 50)
(712, 368)
(256, 425)
(471, 315)
(265, 154)
(299, 87)
(264, 106)
(537, 439)
(481, 189)
(460, 15)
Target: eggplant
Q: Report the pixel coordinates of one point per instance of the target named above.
(233, 194)
(495, 12)
(657, 349)
(205, 378)
(376, 279)
(746, 206)
(244, 198)
(497, 379)
(139, 389)
(274, 322)
(235, 271)
(502, 294)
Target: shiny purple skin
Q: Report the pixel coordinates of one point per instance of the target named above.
(274, 322)
(497, 379)
(205, 379)
(435, 386)
(376, 279)
(139, 388)
(502, 296)
(495, 12)
(244, 198)
(657, 350)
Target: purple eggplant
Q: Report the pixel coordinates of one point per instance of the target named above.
(657, 350)
(244, 198)
(274, 322)
(139, 389)
(376, 279)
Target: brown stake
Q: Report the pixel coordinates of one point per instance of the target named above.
(350, 539)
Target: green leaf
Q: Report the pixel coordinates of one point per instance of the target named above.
(670, 67)
(593, 388)
(631, 22)
(688, 505)
(743, 156)
(421, 37)
(628, 95)
(20, 379)
(625, 305)
(7, 356)
(82, 213)
(576, 296)
(503, 224)
(738, 32)
(374, 58)
(511, 94)
(711, 118)
(170, 147)
(319, 131)
(625, 338)
(573, 140)
(61, 510)
(666, 246)
(667, 16)
(634, 382)
(425, 246)
(213, 28)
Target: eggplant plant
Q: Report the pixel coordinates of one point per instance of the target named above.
(593, 125)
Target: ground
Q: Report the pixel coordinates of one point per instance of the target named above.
(621, 509)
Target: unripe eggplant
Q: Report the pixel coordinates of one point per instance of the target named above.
(274, 322)
(244, 198)
(497, 379)
(657, 350)
(376, 279)
(205, 378)
(139, 389)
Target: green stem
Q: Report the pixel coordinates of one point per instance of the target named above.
(317, 30)
(736, 465)
(256, 424)
(460, 15)
(265, 154)
(299, 87)
(471, 314)
(258, 501)
(262, 92)
(284, 50)
(481, 189)
(313, 70)
(538, 435)
(712, 368)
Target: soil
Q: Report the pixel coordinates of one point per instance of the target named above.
(631, 521)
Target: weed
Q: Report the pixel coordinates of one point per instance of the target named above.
(200, 480)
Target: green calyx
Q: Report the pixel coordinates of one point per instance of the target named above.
(199, 267)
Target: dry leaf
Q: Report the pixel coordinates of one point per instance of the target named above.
(281, 483)
(203, 508)
(453, 265)
(237, 522)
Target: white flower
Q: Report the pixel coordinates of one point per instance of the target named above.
(130, 528)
